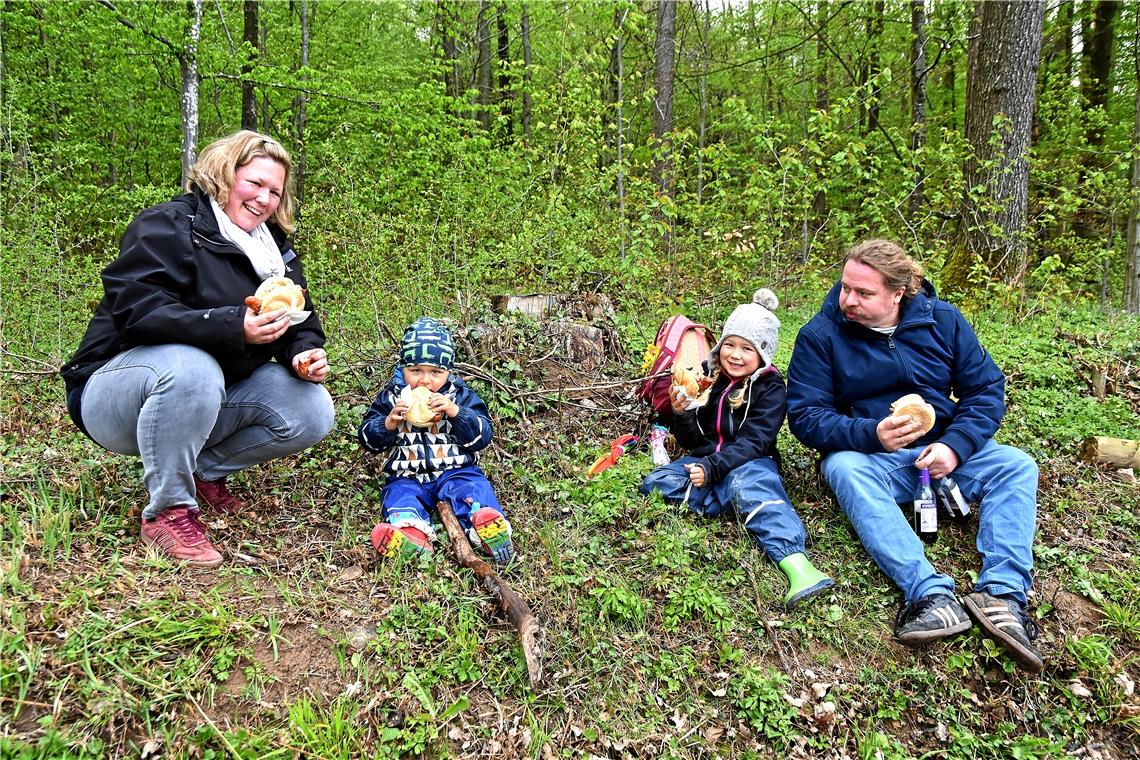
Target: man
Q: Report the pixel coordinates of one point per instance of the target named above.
(881, 334)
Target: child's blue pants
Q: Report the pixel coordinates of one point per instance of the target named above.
(407, 501)
(753, 491)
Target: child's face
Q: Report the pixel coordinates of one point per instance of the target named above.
(427, 375)
(738, 357)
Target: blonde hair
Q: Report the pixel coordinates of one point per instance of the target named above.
(738, 396)
(214, 171)
(890, 260)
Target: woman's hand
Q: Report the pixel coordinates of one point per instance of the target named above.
(898, 432)
(396, 416)
(265, 328)
(312, 365)
(696, 474)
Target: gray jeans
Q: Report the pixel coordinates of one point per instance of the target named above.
(169, 405)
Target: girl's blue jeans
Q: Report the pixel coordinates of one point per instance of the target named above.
(753, 491)
(170, 405)
(1002, 479)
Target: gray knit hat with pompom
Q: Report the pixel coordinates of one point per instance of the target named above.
(756, 323)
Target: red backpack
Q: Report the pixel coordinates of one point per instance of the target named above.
(679, 340)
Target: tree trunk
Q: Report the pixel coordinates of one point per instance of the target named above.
(620, 21)
(663, 72)
(873, 66)
(483, 31)
(1001, 87)
(703, 94)
(1132, 250)
(300, 106)
(822, 100)
(1096, 62)
(188, 63)
(445, 22)
(505, 96)
(250, 36)
(524, 39)
(917, 103)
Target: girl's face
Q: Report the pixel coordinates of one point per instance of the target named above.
(425, 374)
(738, 357)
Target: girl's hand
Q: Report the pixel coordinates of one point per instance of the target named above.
(264, 328)
(696, 474)
(678, 403)
(396, 416)
(312, 365)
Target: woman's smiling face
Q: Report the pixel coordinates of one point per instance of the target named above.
(256, 192)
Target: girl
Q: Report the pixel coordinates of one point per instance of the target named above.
(731, 439)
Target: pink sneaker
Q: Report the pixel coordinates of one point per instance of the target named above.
(214, 495)
(179, 534)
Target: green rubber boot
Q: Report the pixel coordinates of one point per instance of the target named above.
(804, 580)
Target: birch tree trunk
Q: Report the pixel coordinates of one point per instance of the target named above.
(1000, 98)
(188, 62)
(504, 96)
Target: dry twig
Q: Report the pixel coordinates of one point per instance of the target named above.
(515, 607)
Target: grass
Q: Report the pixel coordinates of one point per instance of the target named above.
(665, 632)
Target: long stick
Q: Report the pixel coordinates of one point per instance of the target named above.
(515, 607)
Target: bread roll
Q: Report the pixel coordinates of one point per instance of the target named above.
(419, 413)
(277, 293)
(692, 382)
(911, 405)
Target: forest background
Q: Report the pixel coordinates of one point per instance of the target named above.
(665, 156)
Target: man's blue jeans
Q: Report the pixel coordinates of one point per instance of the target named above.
(753, 491)
(1002, 479)
(169, 405)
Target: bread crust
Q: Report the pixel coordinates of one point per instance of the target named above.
(277, 293)
(912, 405)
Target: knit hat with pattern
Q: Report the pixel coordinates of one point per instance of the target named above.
(427, 341)
(756, 323)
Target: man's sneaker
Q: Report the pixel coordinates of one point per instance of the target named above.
(930, 618)
(179, 534)
(393, 542)
(493, 533)
(1006, 621)
(213, 494)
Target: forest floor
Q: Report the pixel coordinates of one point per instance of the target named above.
(665, 633)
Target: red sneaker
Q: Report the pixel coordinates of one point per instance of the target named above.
(179, 534)
(214, 495)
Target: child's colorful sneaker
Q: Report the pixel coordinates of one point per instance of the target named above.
(406, 542)
(494, 534)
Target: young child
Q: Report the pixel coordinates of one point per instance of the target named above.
(731, 439)
(434, 460)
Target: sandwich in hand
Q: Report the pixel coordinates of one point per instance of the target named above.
(911, 405)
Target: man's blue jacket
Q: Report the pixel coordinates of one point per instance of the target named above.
(843, 377)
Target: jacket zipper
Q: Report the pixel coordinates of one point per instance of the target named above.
(720, 414)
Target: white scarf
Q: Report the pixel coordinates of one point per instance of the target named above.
(258, 246)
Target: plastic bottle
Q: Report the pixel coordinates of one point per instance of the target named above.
(951, 499)
(657, 445)
(925, 510)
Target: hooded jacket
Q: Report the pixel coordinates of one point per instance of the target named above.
(725, 438)
(425, 452)
(844, 376)
(178, 280)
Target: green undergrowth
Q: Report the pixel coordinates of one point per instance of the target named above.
(665, 634)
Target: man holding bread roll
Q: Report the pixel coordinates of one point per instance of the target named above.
(887, 379)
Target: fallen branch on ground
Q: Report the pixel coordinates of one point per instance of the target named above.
(515, 607)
